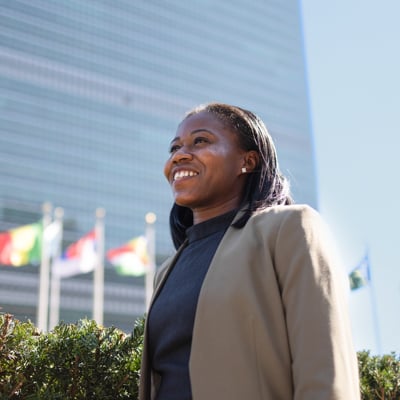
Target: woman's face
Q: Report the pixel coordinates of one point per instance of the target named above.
(205, 167)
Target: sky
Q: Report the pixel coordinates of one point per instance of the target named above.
(352, 52)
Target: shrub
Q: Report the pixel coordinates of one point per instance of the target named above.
(17, 342)
(74, 361)
(379, 376)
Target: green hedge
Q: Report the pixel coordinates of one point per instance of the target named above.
(73, 361)
(379, 376)
(87, 361)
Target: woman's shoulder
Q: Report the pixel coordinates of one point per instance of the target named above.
(286, 218)
(285, 213)
(299, 221)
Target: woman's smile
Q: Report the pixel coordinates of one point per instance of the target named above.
(181, 174)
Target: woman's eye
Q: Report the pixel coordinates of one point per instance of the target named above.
(201, 140)
(174, 148)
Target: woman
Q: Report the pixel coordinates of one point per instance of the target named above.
(251, 306)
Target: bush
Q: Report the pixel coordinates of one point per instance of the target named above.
(379, 376)
(86, 361)
(74, 361)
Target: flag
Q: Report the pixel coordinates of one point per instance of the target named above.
(360, 276)
(78, 258)
(52, 238)
(131, 258)
(22, 245)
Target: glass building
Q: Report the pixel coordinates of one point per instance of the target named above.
(91, 94)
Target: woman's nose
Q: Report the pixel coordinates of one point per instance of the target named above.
(182, 154)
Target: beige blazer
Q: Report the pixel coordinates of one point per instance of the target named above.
(272, 320)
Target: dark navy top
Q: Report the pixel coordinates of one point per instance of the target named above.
(171, 317)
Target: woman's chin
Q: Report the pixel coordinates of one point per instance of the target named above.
(184, 201)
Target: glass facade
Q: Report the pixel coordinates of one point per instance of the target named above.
(91, 94)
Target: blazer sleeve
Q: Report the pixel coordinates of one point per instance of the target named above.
(314, 296)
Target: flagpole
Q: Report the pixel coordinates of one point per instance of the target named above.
(374, 306)
(43, 301)
(150, 237)
(98, 274)
(56, 279)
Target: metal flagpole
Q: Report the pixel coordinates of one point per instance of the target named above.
(55, 279)
(43, 302)
(374, 305)
(98, 274)
(151, 239)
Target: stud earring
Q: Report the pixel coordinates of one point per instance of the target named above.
(244, 170)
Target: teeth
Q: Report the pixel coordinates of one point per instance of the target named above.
(183, 174)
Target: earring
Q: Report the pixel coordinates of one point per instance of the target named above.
(244, 170)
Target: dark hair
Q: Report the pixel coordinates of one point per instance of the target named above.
(265, 186)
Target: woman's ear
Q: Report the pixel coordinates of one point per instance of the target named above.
(251, 160)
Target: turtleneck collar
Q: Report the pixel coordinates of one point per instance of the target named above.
(213, 225)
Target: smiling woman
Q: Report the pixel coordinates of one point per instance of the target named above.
(252, 305)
